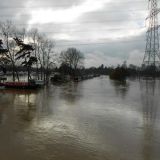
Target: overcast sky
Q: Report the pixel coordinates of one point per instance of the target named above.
(107, 31)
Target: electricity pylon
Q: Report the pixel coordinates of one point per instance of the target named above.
(152, 52)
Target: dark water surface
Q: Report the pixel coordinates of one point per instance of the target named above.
(96, 119)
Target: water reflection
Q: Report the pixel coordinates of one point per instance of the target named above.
(1, 110)
(1, 115)
(150, 104)
(71, 93)
(25, 112)
(82, 120)
(23, 102)
(121, 88)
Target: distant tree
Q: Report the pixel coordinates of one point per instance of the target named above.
(132, 66)
(124, 65)
(102, 66)
(64, 68)
(72, 58)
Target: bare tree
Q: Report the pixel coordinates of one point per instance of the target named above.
(34, 36)
(3, 59)
(46, 56)
(72, 58)
(8, 31)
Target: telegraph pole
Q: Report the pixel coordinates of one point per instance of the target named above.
(152, 52)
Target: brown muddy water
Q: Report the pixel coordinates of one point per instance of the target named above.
(97, 119)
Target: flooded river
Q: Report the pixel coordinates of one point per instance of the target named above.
(96, 119)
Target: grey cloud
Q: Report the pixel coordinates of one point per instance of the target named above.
(10, 9)
(93, 27)
(55, 4)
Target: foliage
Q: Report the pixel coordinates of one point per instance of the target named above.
(25, 53)
(120, 73)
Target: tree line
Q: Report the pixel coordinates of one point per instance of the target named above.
(30, 50)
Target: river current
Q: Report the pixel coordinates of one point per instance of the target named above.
(96, 119)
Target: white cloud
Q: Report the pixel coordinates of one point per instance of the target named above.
(65, 15)
(63, 36)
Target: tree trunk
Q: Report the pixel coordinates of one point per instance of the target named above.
(17, 75)
(28, 70)
(13, 74)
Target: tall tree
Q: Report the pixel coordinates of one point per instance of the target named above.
(25, 53)
(34, 36)
(8, 31)
(45, 55)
